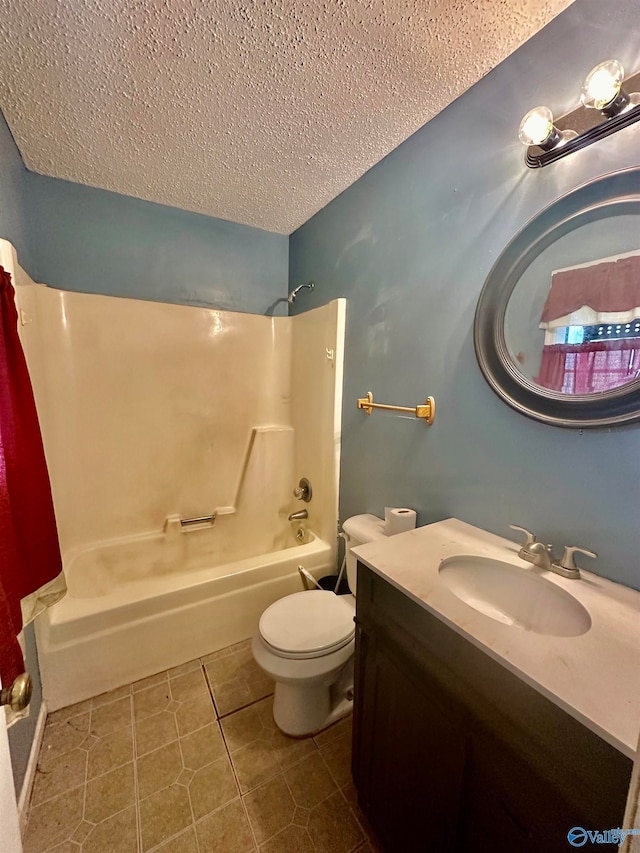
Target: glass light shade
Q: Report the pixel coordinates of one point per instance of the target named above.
(536, 126)
(602, 84)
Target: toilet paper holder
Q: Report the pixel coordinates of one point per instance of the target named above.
(426, 410)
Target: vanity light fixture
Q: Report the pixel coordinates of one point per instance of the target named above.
(608, 103)
(602, 88)
(537, 128)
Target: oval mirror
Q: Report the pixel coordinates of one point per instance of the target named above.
(557, 325)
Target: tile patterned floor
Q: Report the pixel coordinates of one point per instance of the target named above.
(190, 761)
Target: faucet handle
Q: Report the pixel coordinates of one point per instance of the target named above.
(567, 561)
(530, 537)
(303, 490)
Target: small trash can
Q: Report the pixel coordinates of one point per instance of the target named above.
(329, 582)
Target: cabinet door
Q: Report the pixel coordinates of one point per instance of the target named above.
(491, 815)
(506, 806)
(410, 759)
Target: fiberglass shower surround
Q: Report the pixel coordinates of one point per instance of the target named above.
(132, 447)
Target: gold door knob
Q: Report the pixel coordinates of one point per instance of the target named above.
(18, 695)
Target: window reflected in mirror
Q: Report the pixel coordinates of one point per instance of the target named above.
(591, 324)
(570, 324)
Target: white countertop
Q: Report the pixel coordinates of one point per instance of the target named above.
(595, 677)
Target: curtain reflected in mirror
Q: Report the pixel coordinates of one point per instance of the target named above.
(591, 321)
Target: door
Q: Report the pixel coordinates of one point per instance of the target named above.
(11, 842)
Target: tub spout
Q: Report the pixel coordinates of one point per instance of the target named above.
(298, 516)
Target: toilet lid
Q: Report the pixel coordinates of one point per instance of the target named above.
(308, 623)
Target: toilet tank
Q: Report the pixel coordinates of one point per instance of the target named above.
(360, 529)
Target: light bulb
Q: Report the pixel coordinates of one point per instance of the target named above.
(602, 88)
(536, 128)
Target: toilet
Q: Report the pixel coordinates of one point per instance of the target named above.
(306, 642)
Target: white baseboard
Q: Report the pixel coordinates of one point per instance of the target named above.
(30, 774)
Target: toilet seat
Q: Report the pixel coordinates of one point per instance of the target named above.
(308, 624)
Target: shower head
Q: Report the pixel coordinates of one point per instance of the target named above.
(292, 296)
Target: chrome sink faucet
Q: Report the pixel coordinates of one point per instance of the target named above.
(533, 551)
(566, 566)
(542, 555)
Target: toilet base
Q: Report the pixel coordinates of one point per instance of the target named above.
(303, 711)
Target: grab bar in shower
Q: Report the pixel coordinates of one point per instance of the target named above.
(201, 519)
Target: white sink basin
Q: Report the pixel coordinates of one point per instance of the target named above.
(515, 596)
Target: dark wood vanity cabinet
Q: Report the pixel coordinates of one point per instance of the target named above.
(452, 752)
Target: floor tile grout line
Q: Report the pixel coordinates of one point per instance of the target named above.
(355, 817)
(242, 646)
(34, 804)
(177, 737)
(136, 786)
(193, 826)
(148, 686)
(115, 767)
(280, 772)
(344, 797)
(53, 723)
(110, 701)
(280, 768)
(365, 837)
(165, 841)
(242, 707)
(249, 824)
(230, 756)
(228, 751)
(331, 773)
(84, 793)
(211, 692)
(188, 787)
(182, 785)
(295, 804)
(354, 814)
(86, 778)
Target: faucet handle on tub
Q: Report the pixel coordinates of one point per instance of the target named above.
(566, 566)
(303, 491)
(530, 537)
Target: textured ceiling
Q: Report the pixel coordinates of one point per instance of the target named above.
(259, 112)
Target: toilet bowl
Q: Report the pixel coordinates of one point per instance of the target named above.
(305, 643)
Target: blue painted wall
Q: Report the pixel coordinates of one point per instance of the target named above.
(410, 245)
(12, 190)
(95, 241)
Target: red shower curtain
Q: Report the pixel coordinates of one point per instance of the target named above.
(29, 550)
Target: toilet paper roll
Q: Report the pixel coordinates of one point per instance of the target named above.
(398, 520)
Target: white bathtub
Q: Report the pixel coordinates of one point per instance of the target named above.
(134, 608)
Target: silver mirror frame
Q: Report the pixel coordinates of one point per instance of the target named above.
(614, 194)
